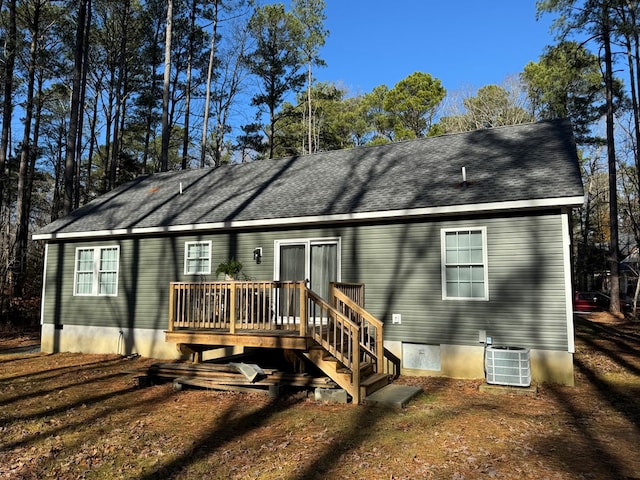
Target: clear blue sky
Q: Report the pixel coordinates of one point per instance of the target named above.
(463, 43)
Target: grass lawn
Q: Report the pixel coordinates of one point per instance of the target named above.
(71, 416)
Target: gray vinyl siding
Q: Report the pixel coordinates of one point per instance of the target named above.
(400, 264)
(527, 298)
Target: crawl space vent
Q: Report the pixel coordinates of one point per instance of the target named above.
(508, 366)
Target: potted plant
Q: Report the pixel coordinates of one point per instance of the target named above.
(230, 268)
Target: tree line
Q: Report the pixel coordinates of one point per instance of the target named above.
(97, 92)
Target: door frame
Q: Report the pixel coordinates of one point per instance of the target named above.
(307, 242)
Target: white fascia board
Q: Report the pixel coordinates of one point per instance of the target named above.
(337, 218)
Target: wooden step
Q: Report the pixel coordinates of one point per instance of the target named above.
(366, 369)
(373, 383)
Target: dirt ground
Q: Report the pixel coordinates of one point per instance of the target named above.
(72, 416)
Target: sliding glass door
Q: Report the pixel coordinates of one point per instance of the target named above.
(316, 261)
(323, 267)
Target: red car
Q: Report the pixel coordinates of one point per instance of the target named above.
(595, 301)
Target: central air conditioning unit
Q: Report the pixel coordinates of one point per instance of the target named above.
(508, 366)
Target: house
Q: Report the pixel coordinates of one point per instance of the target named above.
(455, 239)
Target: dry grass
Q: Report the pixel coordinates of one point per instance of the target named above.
(69, 416)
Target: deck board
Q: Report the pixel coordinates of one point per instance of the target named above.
(289, 339)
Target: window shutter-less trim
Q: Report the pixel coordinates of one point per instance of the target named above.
(96, 271)
(197, 258)
(464, 264)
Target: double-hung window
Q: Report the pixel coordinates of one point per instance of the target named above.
(197, 258)
(464, 264)
(96, 271)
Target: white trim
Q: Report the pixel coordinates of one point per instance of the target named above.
(443, 262)
(186, 249)
(576, 201)
(95, 288)
(44, 283)
(566, 253)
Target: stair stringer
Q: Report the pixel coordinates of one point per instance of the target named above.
(329, 366)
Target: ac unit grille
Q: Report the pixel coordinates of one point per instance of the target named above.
(508, 366)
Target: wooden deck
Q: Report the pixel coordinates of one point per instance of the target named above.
(338, 335)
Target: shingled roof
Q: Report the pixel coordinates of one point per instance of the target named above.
(524, 166)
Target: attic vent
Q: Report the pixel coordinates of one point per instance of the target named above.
(508, 366)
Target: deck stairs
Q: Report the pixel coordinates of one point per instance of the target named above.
(369, 380)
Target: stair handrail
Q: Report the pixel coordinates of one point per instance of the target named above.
(393, 364)
(349, 356)
(370, 327)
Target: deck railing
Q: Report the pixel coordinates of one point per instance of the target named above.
(370, 331)
(340, 325)
(236, 306)
(336, 333)
(355, 291)
(349, 299)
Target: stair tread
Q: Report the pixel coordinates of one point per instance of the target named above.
(373, 378)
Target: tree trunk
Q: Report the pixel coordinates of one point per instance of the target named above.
(155, 64)
(31, 174)
(614, 284)
(70, 157)
(22, 214)
(310, 122)
(83, 94)
(207, 102)
(7, 111)
(58, 181)
(633, 60)
(92, 142)
(187, 100)
(272, 130)
(115, 152)
(164, 155)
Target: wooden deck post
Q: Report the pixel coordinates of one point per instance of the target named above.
(303, 308)
(380, 350)
(332, 294)
(232, 308)
(172, 312)
(355, 368)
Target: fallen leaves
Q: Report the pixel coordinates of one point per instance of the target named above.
(70, 416)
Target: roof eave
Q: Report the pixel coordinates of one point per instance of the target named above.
(478, 208)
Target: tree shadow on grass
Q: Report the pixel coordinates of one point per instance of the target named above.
(597, 455)
(228, 428)
(41, 392)
(49, 373)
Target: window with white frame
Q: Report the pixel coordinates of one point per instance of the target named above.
(96, 271)
(464, 264)
(197, 258)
